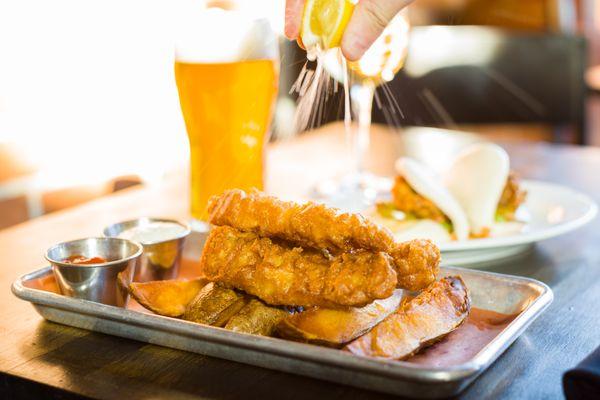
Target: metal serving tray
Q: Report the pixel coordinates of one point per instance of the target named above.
(506, 294)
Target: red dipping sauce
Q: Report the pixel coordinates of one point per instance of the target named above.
(83, 260)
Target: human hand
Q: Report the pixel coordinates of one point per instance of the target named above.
(369, 19)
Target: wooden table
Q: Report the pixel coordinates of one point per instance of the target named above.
(39, 359)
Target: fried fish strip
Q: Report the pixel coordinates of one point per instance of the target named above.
(256, 318)
(512, 197)
(416, 263)
(308, 224)
(407, 200)
(420, 322)
(317, 226)
(280, 274)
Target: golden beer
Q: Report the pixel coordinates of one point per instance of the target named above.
(227, 111)
(226, 97)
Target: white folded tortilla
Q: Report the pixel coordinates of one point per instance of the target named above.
(476, 179)
(426, 183)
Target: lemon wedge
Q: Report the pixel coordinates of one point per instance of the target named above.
(324, 22)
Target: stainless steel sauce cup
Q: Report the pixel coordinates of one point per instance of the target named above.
(103, 282)
(161, 259)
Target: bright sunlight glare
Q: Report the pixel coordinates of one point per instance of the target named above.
(88, 90)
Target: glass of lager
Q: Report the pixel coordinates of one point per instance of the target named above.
(226, 69)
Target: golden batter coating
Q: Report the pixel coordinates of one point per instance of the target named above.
(410, 202)
(317, 226)
(308, 225)
(422, 321)
(280, 274)
(416, 263)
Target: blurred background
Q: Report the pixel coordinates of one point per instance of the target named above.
(89, 106)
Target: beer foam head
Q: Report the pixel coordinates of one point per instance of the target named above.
(218, 36)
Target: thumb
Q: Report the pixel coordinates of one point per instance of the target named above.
(368, 22)
(293, 17)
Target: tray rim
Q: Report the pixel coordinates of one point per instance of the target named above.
(303, 351)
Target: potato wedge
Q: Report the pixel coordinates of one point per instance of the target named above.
(256, 318)
(168, 298)
(214, 305)
(336, 327)
(420, 322)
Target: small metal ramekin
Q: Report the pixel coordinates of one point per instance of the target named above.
(161, 259)
(103, 283)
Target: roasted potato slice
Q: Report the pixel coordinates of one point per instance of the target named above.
(256, 318)
(420, 322)
(335, 327)
(214, 305)
(168, 298)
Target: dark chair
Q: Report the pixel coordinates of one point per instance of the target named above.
(458, 75)
(479, 75)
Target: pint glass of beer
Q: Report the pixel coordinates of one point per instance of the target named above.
(226, 69)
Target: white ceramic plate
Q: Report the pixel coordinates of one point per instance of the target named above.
(553, 210)
(482, 259)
